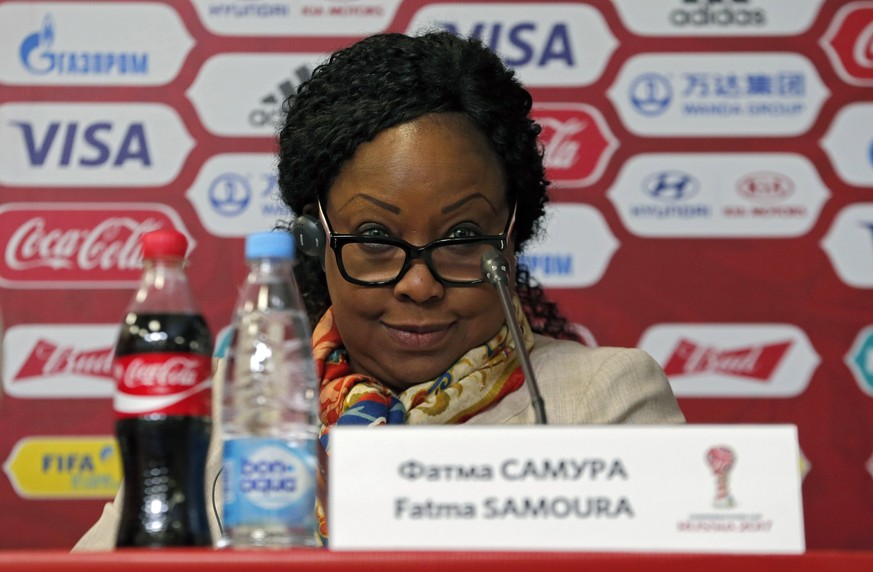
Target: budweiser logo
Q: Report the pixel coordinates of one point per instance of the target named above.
(51, 359)
(174, 372)
(77, 245)
(753, 362)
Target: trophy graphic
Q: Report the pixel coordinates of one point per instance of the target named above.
(721, 460)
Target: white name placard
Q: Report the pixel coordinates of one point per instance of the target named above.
(692, 488)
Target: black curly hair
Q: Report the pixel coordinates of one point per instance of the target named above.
(388, 79)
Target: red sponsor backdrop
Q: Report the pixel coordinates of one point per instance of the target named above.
(69, 223)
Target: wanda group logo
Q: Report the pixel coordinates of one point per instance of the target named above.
(849, 43)
(576, 141)
(77, 245)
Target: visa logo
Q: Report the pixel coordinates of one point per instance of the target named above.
(523, 43)
(88, 144)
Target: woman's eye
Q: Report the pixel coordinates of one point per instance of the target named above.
(374, 232)
(464, 232)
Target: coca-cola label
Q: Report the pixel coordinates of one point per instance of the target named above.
(163, 383)
(577, 142)
(78, 245)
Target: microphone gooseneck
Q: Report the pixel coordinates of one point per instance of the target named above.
(495, 269)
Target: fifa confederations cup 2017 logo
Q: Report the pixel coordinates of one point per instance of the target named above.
(721, 460)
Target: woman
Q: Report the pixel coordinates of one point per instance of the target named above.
(406, 159)
(412, 156)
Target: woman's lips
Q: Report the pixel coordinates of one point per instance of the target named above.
(417, 337)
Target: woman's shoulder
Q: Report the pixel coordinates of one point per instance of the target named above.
(603, 384)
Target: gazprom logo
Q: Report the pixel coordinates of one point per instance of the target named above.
(39, 56)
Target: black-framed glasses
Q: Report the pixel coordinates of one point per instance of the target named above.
(384, 260)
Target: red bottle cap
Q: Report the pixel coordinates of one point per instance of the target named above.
(164, 243)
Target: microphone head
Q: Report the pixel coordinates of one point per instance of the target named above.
(495, 267)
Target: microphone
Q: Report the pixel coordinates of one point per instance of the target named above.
(495, 269)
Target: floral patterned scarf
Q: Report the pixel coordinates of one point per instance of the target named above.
(477, 381)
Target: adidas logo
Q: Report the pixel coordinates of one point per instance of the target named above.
(273, 104)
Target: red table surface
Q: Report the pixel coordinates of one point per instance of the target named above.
(321, 560)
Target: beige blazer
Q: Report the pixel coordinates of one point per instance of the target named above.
(579, 386)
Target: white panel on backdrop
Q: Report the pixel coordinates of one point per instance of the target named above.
(57, 361)
(849, 245)
(718, 94)
(237, 193)
(733, 360)
(90, 43)
(296, 17)
(546, 44)
(849, 144)
(718, 18)
(242, 94)
(576, 250)
(91, 144)
(718, 195)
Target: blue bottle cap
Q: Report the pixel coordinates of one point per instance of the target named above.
(275, 244)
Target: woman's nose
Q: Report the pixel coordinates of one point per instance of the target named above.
(419, 284)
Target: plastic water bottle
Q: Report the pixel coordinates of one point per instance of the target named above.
(270, 407)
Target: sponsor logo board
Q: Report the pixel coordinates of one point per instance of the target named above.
(576, 250)
(59, 360)
(64, 467)
(848, 43)
(261, 84)
(732, 360)
(849, 245)
(577, 142)
(860, 360)
(238, 193)
(849, 144)
(718, 17)
(57, 43)
(718, 195)
(546, 44)
(718, 94)
(78, 245)
(91, 144)
(296, 17)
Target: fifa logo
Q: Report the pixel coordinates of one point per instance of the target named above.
(721, 460)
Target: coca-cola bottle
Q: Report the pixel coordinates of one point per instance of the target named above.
(162, 367)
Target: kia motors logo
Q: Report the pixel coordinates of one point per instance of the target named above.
(58, 44)
(77, 245)
(733, 360)
(848, 43)
(689, 194)
(766, 187)
(546, 44)
(59, 360)
(577, 142)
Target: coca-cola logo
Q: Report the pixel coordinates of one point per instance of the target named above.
(765, 187)
(81, 245)
(576, 142)
(848, 43)
(175, 372)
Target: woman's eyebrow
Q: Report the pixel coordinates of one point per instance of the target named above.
(457, 204)
(381, 204)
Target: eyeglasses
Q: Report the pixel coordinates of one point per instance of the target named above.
(383, 260)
